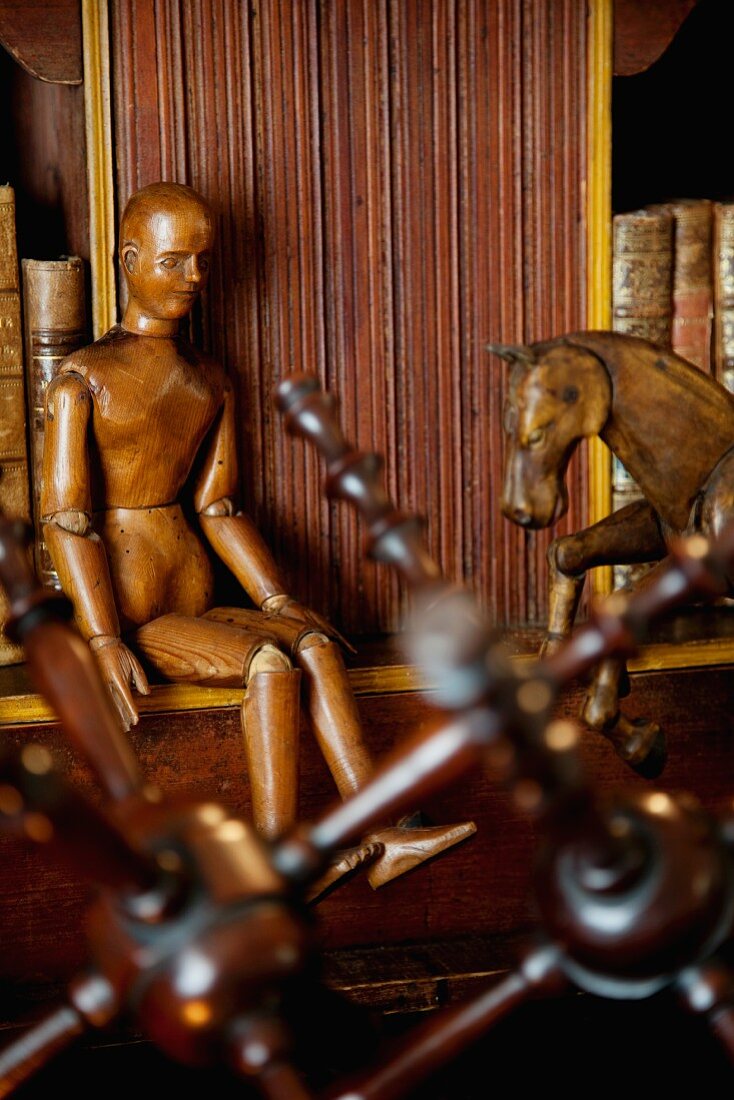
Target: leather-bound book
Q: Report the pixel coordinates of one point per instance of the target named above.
(642, 276)
(14, 496)
(625, 489)
(724, 293)
(55, 326)
(693, 293)
(642, 305)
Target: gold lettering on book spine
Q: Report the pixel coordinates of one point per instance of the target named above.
(642, 275)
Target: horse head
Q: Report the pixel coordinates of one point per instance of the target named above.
(558, 394)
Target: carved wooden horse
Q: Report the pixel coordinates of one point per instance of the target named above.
(673, 428)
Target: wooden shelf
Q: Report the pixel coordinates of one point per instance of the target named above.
(698, 640)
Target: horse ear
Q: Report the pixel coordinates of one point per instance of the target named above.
(513, 353)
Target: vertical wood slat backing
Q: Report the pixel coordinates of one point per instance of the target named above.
(396, 183)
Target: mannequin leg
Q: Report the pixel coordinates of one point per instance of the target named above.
(204, 651)
(393, 850)
(270, 720)
(338, 730)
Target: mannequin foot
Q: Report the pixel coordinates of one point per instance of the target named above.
(406, 847)
(343, 866)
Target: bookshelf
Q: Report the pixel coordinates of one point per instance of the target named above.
(98, 148)
(668, 147)
(654, 136)
(668, 130)
(73, 128)
(190, 736)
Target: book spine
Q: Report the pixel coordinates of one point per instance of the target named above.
(642, 274)
(724, 293)
(55, 326)
(693, 294)
(14, 486)
(642, 305)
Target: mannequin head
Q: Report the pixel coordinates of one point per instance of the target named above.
(166, 236)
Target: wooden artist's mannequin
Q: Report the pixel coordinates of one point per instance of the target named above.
(140, 436)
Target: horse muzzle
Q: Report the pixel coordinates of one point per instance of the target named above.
(521, 516)
(537, 511)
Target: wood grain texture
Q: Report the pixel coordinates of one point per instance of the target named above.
(480, 888)
(643, 30)
(44, 37)
(395, 184)
(43, 156)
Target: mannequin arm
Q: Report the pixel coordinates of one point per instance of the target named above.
(77, 551)
(234, 536)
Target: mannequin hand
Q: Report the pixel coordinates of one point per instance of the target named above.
(120, 670)
(284, 607)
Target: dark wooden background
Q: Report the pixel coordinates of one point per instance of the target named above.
(396, 182)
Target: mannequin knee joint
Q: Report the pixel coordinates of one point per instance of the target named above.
(313, 638)
(268, 659)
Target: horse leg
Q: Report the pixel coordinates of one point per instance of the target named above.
(629, 536)
(638, 741)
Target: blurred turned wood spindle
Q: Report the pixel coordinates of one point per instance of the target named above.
(185, 881)
(218, 912)
(64, 670)
(394, 538)
(636, 893)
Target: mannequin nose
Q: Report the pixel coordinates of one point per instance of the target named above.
(193, 271)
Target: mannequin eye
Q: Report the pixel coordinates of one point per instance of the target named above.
(203, 264)
(169, 263)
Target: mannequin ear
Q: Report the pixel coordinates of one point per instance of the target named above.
(129, 257)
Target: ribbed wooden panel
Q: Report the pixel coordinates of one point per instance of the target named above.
(396, 183)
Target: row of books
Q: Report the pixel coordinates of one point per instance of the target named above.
(673, 284)
(37, 330)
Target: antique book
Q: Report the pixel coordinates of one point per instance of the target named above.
(55, 326)
(14, 491)
(642, 275)
(642, 304)
(693, 297)
(724, 293)
(624, 488)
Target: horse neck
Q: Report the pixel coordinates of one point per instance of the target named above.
(669, 428)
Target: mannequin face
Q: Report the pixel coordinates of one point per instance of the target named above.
(169, 265)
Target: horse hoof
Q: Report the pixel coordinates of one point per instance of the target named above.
(641, 744)
(651, 765)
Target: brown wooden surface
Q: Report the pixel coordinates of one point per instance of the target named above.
(480, 889)
(643, 29)
(43, 156)
(44, 37)
(394, 184)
